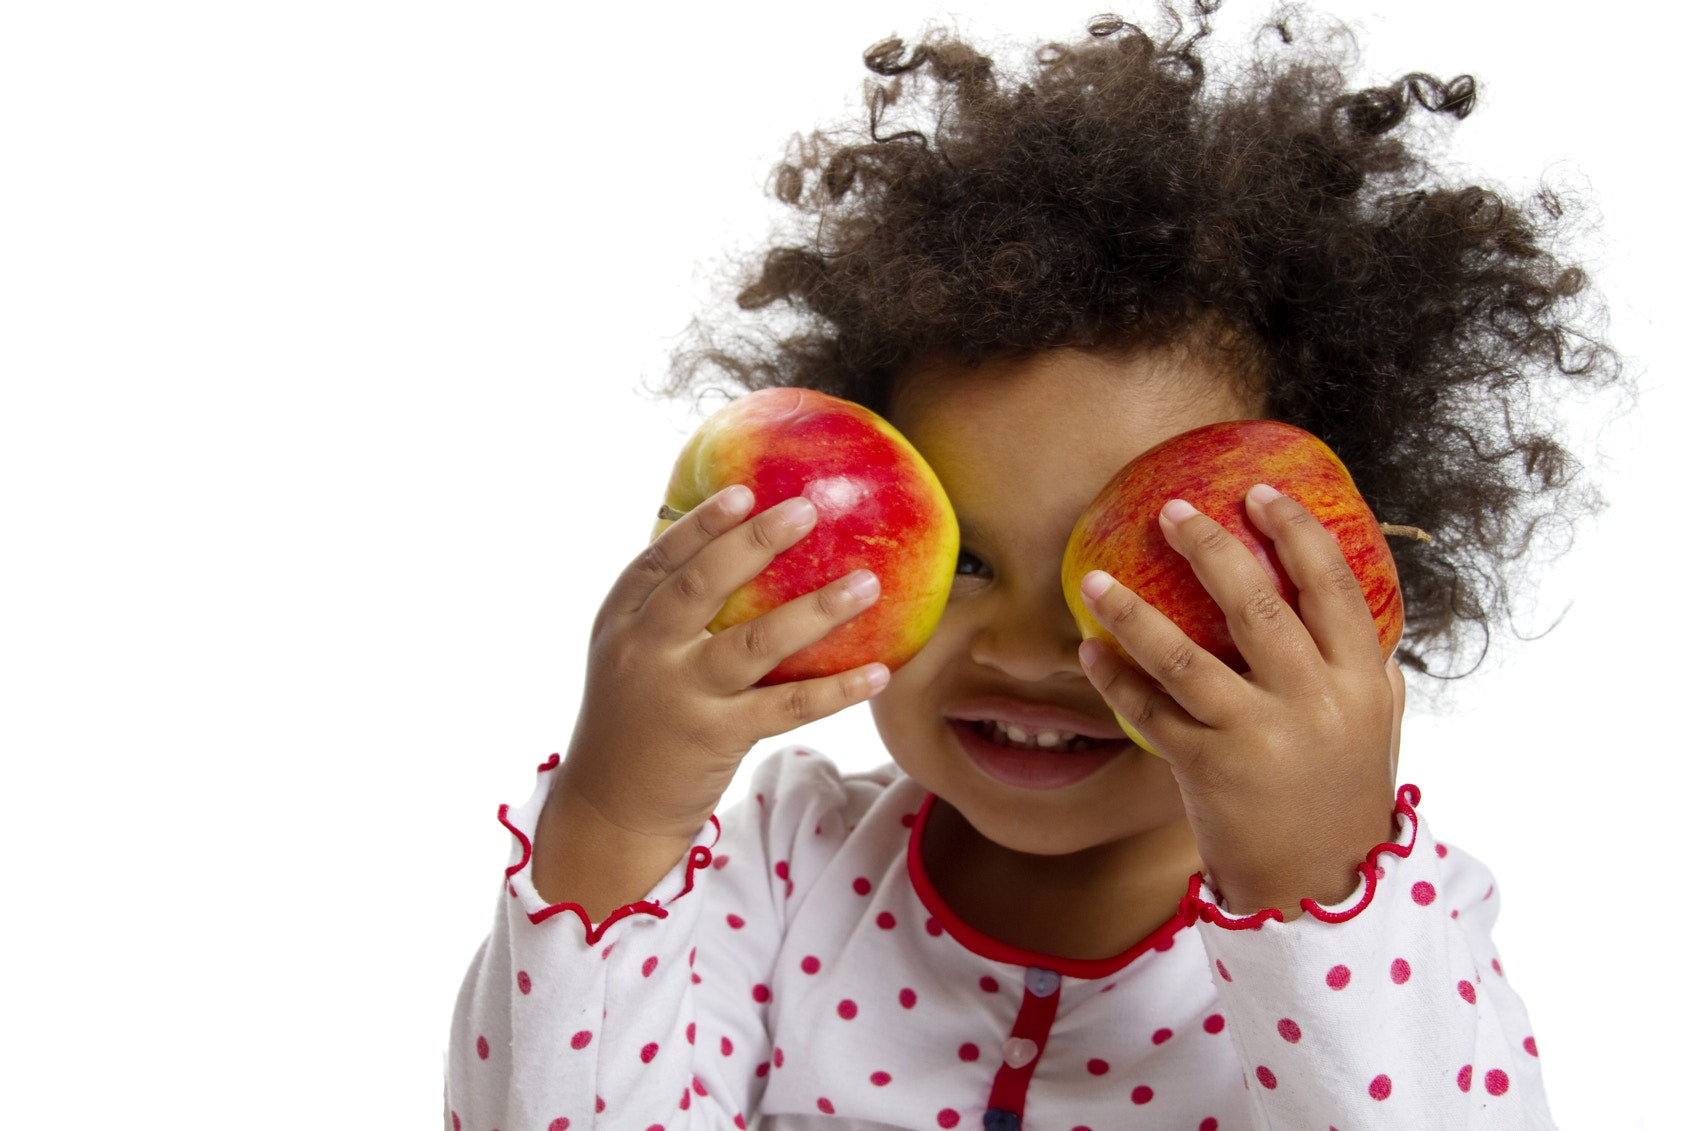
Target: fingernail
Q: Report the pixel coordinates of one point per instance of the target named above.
(863, 583)
(797, 511)
(1090, 652)
(737, 500)
(1261, 493)
(1177, 510)
(1095, 584)
(877, 676)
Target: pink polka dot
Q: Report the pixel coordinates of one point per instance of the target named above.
(879, 1079)
(777, 1057)
(1213, 1023)
(907, 997)
(1465, 989)
(560, 1124)
(1142, 1094)
(825, 1106)
(581, 1039)
(846, 1009)
(1497, 966)
(1161, 1036)
(1423, 893)
(969, 1051)
(1464, 1078)
(725, 1046)
(1096, 1066)
(600, 1105)
(1380, 1088)
(1496, 1081)
(649, 965)
(720, 861)
(456, 1116)
(648, 1052)
(699, 1088)
(862, 886)
(781, 869)
(810, 965)
(1265, 1075)
(761, 993)
(1530, 1045)
(1338, 977)
(762, 1068)
(1399, 970)
(1209, 1124)
(735, 922)
(988, 984)
(1443, 850)
(689, 1032)
(482, 1047)
(886, 921)
(524, 982)
(948, 1117)
(1289, 1030)
(933, 928)
(908, 819)
(1221, 967)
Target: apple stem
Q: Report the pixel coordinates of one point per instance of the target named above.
(1392, 530)
(670, 513)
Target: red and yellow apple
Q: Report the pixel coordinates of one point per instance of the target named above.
(1213, 468)
(880, 508)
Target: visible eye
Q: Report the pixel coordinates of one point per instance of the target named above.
(970, 565)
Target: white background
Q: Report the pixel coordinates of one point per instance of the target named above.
(321, 332)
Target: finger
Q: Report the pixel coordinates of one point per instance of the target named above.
(677, 544)
(786, 706)
(695, 591)
(1171, 681)
(1329, 597)
(1264, 627)
(741, 654)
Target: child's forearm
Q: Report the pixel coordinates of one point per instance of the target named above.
(582, 857)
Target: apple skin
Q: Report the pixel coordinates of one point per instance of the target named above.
(880, 508)
(1213, 468)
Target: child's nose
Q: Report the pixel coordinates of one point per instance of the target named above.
(1027, 643)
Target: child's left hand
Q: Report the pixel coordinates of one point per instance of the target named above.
(1288, 770)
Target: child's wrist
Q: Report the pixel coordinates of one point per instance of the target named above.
(584, 857)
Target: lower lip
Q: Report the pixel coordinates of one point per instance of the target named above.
(1032, 769)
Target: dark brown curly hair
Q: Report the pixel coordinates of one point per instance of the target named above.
(1120, 193)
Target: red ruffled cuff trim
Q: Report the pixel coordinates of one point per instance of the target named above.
(700, 856)
(1195, 907)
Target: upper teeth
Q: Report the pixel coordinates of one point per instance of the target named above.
(1022, 737)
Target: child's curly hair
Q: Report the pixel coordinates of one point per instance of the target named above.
(1114, 197)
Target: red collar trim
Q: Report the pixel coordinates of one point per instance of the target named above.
(995, 950)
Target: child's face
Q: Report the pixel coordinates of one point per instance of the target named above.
(1021, 447)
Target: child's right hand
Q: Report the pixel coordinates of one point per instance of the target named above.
(670, 710)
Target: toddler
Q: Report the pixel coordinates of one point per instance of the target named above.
(1027, 921)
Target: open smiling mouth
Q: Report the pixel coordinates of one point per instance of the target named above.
(1033, 759)
(1017, 738)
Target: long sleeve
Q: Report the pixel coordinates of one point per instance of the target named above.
(1389, 1010)
(559, 1021)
